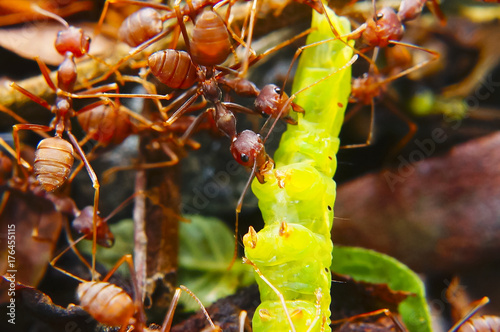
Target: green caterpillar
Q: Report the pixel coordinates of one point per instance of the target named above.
(293, 250)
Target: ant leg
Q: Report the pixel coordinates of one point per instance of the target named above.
(134, 51)
(278, 293)
(412, 128)
(478, 305)
(81, 165)
(17, 143)
(174, 159)
(95, 182)
(46, 73)
(36, 99)
(239, 108)
(238, 210)
(90, 107)
(14, 154)
(72, 246)
(149, 87)
(5, 199)
(180, 20)
(385, 312)
(370, 133)
(435, 55)
(114, 95)
(192, 127)
(167, 323)
(253, 13)
(12, 114)
(105, 9)
(99, 89)
(183, 109)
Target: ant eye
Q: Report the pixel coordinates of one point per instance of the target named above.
(277, 90)
(87, 39)
(244, 158)
(379, 16)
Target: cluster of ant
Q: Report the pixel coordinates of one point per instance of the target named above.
(194, 74)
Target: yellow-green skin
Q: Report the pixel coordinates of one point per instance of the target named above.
(301, 192)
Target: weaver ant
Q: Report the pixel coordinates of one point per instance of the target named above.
(248, 148)
(145, 27)
(111, 305)
(54, 156)
(386, 29)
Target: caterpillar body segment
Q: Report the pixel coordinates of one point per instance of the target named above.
(293, 250)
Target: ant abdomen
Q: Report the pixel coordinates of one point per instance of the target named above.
(481, 324)
(142, 25)
(210, 44)
(95, 296)
(173, 68)
(106, 124)
(53, 162)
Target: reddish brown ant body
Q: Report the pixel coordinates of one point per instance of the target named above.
(54, 155)
(111, 305)
(145, 26)
(386, 27)
(107, 123)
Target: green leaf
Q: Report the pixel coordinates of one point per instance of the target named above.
(206, 250)
(370, 266)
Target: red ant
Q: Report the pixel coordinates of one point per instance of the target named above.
(145, 26)
(385, 29)
(83, 219)
(111, 305)
(54, 156)
(248, 147)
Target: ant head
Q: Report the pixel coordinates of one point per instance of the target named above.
(72, 40)
(269, 99)
(384, 27)
(83, 224)
(247, 147)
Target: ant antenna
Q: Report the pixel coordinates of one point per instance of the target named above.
(53, 16)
